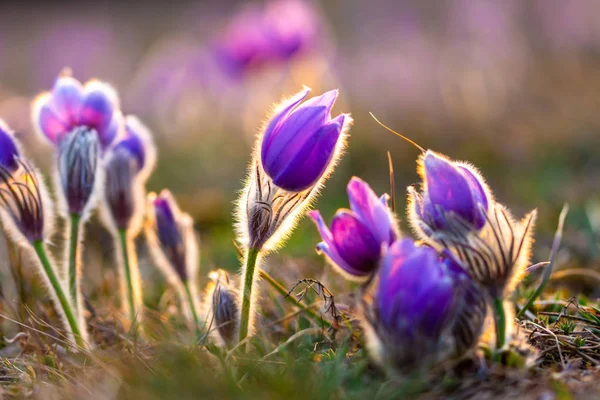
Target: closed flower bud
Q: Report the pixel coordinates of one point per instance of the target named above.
(297, 151)
(128, 167)
(171, 237)
(225, 306)
(454, 194)
(422, 311)
(353, 244)
(300, 140)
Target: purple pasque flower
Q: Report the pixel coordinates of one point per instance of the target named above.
(261, 36)
(82, 121)
(225, 305)
(23, 197)
(170, 233)
(129, 163)
(415, 313)
(455, 196)
(300, 140)
(354, 242)
(71, 105)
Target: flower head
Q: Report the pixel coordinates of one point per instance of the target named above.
(300, 147)
(414, 313)
(258, 37)
(300, 140)
(128, 166)
(354, 242)
(23, 197)
(71, 105)
(454, 195)
(170, 234)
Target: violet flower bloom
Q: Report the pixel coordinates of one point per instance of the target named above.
(82, 121)
(455, 197)
(353, 244)
(129, 164)
(272, 35)
(300, 140)
(415, 313)
(9, 151)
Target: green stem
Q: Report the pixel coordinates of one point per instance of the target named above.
(251, 258)
(73, 242)
(500, 321)
(190, 299)
(38, 245)
(281, 290)
(126, 266)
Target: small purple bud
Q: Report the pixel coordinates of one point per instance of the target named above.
(354, 242)
(451, 190)
(9, 151)
(70, 105)
(300, 140)
(416, 308)
(170, 234)
(78, 156)
(124, 188)
(120, 177)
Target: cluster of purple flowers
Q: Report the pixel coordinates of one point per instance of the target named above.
(424, 303)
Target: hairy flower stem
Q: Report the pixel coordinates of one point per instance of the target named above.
(249, 278)
(128, 278)
(190, 300)
(38, 245)
(73, 258)
(290, 299)
(500, 321)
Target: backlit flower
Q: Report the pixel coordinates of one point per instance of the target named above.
(354, 242)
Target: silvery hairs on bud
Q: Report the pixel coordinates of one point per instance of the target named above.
(78, 172)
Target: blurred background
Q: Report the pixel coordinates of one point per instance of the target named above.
(511, 86)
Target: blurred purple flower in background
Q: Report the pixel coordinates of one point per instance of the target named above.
(354, 242)
(413, 306)
(451, 190)
(268, 35)
(300, 140)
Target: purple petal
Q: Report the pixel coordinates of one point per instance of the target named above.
(326, 100)
(293, 133)
(282, 112)
(134, 145)
(50, 124)
(355, 243)
(478, 194)
(67, 98)
(310, 161)
(369, 209)
(97, 113)
(8, 151)
(327, 246)
(448, 189)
